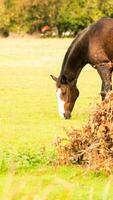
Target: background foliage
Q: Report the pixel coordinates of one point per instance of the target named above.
(31, 15)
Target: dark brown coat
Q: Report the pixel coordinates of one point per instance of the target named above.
(93, 45)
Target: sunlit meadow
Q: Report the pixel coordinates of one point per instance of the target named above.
(29, 124)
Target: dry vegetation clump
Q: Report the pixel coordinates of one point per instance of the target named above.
(92, 146)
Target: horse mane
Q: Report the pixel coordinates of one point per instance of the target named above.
(80, 35)
(76, 41)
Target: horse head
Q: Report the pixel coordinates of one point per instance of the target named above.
(67, 94)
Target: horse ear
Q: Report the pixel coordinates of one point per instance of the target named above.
(64, 80)
(54, 78)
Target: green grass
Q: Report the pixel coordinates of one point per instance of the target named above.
(28, 101)
(29, 120)
(60, 183)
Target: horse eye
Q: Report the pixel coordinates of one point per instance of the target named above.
(63, 91)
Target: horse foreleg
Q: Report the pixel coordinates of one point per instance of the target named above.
(102, 91)
(106, 77)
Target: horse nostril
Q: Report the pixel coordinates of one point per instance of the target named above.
(67, 115)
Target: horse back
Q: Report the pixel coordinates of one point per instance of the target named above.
(101, 41)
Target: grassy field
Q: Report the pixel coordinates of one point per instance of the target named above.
(29, 124)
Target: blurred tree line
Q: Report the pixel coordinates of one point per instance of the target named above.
(28, 16)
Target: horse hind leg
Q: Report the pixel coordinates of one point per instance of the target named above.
(105, 73)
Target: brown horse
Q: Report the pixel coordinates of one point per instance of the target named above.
(93, 45)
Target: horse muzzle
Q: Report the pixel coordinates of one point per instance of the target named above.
(67, 115)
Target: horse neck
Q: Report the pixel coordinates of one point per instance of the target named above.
(72, 65)
(76, 56)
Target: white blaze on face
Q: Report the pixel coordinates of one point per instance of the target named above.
(60, 103)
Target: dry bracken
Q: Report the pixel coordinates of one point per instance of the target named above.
(92, 146)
